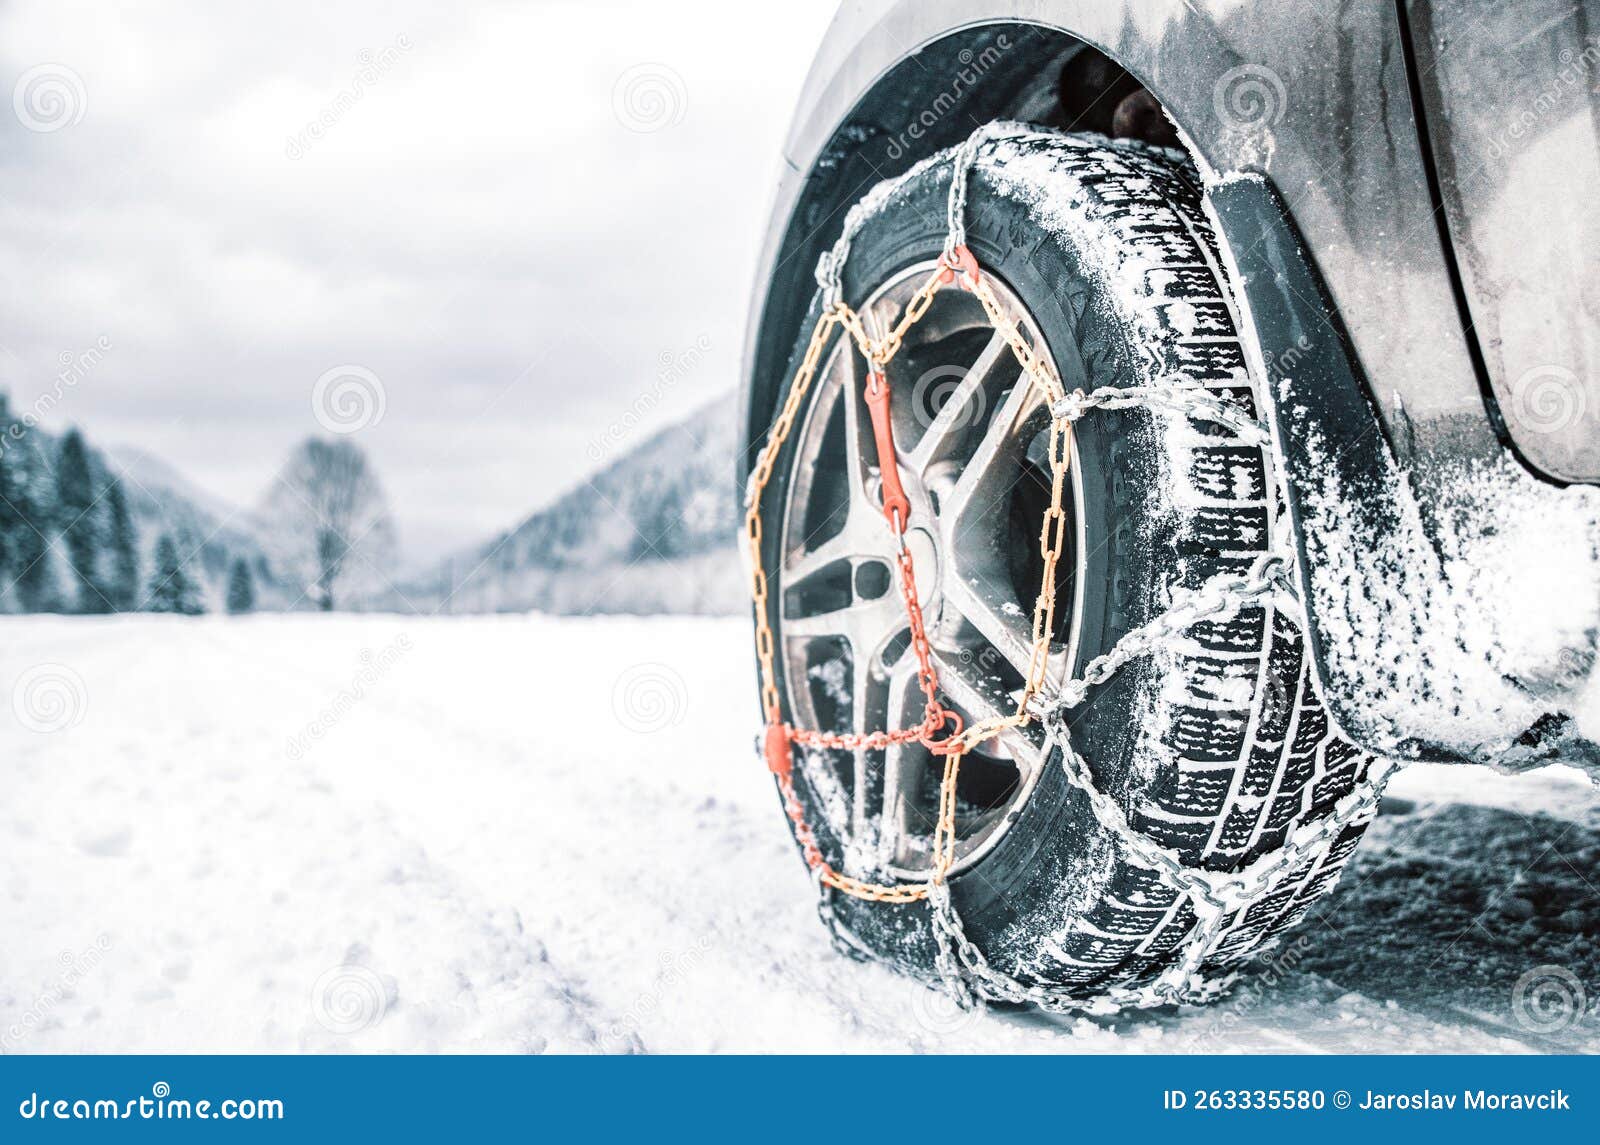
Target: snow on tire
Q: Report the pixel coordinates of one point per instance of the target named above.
(1217, 745)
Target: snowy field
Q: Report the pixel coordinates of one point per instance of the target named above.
(526, 834)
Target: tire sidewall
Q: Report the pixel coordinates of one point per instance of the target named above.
(1045, 869)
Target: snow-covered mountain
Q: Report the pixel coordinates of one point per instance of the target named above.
(652, 532)
(140, 468)
(208, 546)
(162, 500)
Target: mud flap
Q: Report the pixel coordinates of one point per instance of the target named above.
(1328, 435)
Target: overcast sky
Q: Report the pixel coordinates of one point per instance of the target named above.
(512, 216)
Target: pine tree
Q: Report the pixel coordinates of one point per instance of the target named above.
(75, 495)
(36, 573)
(39, 585)
(122, 586)
(241, 588)
(12, 522)
(171, 588)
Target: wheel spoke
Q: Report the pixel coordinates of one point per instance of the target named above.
(858, 445)
(979, 587)
(845, 545)
(987, 476)
(983, 697)
(904, 707)
(864, 533)
(867, 624)
(957, 413)
(980, 599)
(862, 718)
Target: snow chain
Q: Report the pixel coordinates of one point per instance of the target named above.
(1215, 896)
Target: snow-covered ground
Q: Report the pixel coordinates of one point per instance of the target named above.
(522, 834)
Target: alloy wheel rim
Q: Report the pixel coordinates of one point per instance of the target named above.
(970, 435)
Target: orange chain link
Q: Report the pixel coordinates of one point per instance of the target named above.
(781, 737)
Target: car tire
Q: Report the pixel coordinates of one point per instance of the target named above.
(1216, 746)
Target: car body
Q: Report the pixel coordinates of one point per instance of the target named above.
(1406, 195)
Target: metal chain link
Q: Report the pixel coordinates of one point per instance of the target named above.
(960, 173)
(1172, 394)
(1215, 897)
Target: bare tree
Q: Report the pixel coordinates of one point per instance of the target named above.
(331, 520)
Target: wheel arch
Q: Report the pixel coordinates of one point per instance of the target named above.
(1329, 230)
(1321, 108)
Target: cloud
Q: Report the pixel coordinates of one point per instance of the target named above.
(453, 200)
